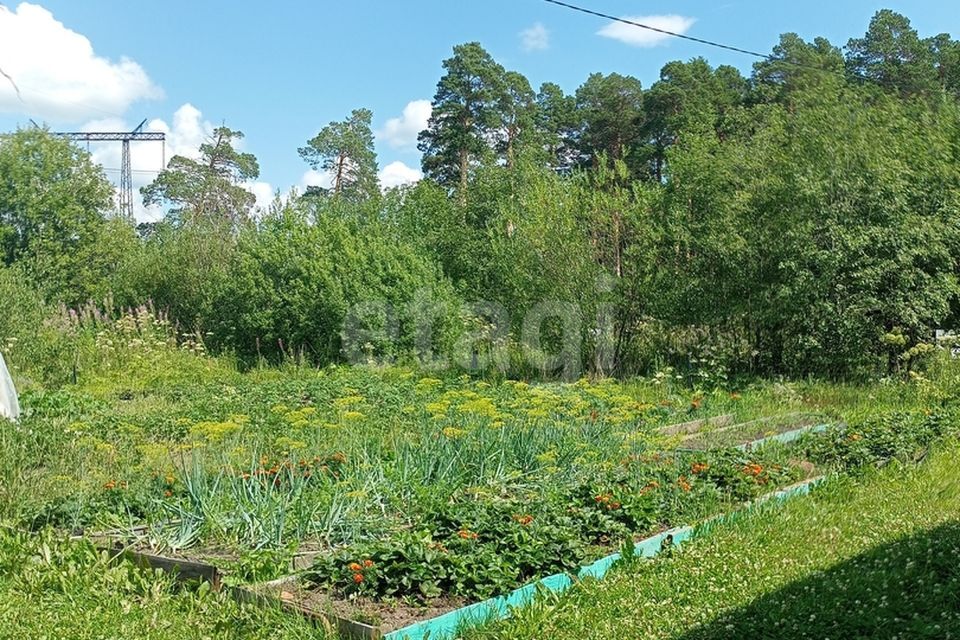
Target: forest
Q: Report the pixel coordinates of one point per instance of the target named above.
(800, 221)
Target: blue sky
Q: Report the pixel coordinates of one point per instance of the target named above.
(280, 71)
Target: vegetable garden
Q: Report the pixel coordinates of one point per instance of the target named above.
(393, 495)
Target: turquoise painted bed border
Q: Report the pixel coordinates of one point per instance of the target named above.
(785, 437)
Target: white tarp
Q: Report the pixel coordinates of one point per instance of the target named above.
(9, 407)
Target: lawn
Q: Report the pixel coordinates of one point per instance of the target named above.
(870, 557)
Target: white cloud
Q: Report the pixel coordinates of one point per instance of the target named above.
(535, 38)
(59, 75)
(639, 37)
(188, 132)
(264, 192)
(397, 174)
(402, 132)
(314, 178)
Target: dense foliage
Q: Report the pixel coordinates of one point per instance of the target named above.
(801, 221)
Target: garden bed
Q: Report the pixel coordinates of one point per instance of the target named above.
(390, 587)
(756, 432)
(485, 544)
(184, 569)
(210, 563)
(693, 427)
(360, 617)
(442, 617)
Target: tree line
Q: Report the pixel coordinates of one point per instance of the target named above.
(802, 220)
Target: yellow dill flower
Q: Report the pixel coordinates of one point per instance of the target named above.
(479, 407)
(547, 457)
(453, 433)
(426, 384)
(284, 443)
(214, 431)
(437, 407)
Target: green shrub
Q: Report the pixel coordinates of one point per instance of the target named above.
(331, 290)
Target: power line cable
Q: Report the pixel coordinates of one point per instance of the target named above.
(659, 30)
(23, 92)
(710, 43)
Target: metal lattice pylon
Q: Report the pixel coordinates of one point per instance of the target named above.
(125, 199)
(126, 183)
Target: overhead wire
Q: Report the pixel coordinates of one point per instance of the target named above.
(711, 43)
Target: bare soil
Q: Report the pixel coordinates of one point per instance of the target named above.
(388, 616)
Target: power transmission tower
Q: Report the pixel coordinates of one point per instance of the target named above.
(125, 204)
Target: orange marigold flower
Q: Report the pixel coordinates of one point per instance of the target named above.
(353, 566)
(168, 494)
(358, 578)
(699, 467)
(466, 534)
(524, 520)
(110, 485)
(368, 564)
(682, 482)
